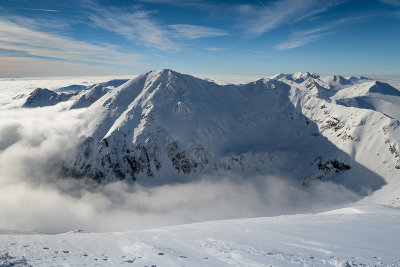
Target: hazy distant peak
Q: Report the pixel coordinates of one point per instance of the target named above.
(297, 76)
(383, 88)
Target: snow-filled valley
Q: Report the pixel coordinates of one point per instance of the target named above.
(319, 155)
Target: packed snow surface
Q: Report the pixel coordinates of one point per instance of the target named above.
(351, 236)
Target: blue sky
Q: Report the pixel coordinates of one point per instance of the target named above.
(104, 37)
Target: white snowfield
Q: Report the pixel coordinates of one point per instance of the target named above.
(163, 124)
(353, 236)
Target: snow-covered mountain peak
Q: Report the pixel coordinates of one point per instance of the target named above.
(298, 77)
(338, 82)
(384, 88)
(162, 75)
(163, 127)
(367, 88)
(41, 97)
(164, 124)
(305, 75)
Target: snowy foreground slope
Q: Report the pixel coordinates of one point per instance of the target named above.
(354, 236)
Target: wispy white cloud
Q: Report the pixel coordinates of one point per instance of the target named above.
(395, 3)
(40, 23)
(194, 31)
(135, 25)
(36, 41)
(141, 27)
(39, 9)
(32, 43)
(264, 17)
(215, 49)
(198, 4)
(302, 38)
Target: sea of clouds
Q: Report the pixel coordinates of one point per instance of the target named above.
(34, 195)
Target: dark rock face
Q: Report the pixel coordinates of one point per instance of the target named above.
(142, 159)
(330, 165)
(134, 160)
(81, 168)
(190, 160)
(333, 123)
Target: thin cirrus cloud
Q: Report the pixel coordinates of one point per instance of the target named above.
(136, 25)
(139, 26)
(198, 4)
(39, 24)
(395, 3)
(302, 38)
(39, 9)
(27, 42)
(194, 32)
(264, 17)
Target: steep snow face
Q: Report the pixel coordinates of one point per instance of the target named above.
(369, 134)
(165, 125)
(374, 95)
